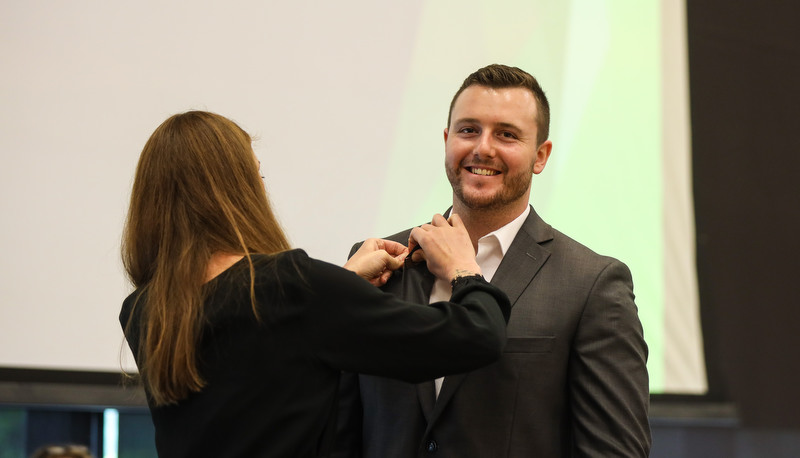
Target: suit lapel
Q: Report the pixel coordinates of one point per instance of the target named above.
(449, 387)
(524, 258)
(415, 283)
(426, 393)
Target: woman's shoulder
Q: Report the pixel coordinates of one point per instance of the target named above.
(297, 266)
(286, 267)
(296, 258)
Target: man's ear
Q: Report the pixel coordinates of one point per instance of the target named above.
(446, 131)
(542, 154)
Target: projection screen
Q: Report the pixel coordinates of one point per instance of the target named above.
(347, 101)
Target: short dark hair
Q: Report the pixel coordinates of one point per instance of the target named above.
(498, 76)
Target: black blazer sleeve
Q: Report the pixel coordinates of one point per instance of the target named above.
(354, 326)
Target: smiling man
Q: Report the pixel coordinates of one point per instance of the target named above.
(573, 379)
(492, 148)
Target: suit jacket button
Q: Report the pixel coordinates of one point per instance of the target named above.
(432, 446)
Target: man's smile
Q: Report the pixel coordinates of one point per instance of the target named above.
(482, 171)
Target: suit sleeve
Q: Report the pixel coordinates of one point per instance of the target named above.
(608, 387)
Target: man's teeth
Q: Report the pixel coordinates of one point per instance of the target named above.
(479, 171)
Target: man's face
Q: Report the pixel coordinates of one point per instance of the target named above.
(490, 147)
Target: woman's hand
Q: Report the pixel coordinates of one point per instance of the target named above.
(376, 259)
(446, 247)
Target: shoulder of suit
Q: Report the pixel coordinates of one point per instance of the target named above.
(560, 244)
(401, 237)
(551, 238)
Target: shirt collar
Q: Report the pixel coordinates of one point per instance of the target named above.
(506, 234)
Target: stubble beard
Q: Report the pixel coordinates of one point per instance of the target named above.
(514, 188)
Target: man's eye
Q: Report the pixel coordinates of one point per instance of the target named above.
(467, 130)
(508, 135)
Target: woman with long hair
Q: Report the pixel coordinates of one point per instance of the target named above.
(239, 339)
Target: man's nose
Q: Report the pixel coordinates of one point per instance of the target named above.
(485, 146)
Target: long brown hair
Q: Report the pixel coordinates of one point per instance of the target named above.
(197, 191)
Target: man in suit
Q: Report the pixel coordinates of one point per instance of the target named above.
(573, 379)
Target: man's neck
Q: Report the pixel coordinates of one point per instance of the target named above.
(480, 222)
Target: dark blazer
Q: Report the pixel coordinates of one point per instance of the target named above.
(572, 380)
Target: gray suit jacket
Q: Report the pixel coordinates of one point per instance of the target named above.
(572, 381)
